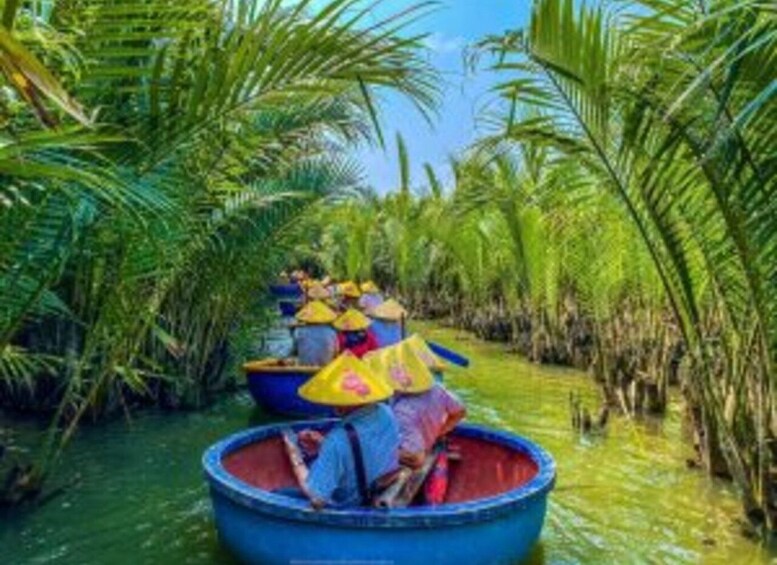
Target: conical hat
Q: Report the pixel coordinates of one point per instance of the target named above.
(369, 287)
(388, 310)
(425, 353)
(316, 312)
(352, 321)
(346, 381)
(401, 367)
(317, 291)
(350, 290)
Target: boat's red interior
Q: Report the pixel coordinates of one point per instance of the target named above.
(484, 469)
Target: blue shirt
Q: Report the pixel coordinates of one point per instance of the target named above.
(332, 476)
(386, 332)
(316, 344)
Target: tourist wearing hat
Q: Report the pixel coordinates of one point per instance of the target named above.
(388, 320)
(430, 359)
(354, 333)
(371, 296)
(315, 339)
(317, 291)
(361, 450)
(349, 294)
(425, 410)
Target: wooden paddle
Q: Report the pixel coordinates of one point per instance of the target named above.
(295, 456)
(448, 355)
(402, 492)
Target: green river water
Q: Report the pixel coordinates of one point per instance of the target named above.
(625, 497)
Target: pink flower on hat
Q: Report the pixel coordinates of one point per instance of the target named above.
(400, 375)
(352, 382)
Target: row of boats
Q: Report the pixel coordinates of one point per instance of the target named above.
(493, 511)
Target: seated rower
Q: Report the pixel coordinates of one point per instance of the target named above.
(360, 450)
(425, 410)
(315, 339)
(355, 335)
(371, 296)
(388, 321)
(349, 295)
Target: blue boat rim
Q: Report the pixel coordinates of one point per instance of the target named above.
(422, 516)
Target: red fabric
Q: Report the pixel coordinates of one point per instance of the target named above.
(361, 349)
(436, 486)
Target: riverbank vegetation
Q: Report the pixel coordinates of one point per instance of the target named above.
(619, 215)
(155, 156)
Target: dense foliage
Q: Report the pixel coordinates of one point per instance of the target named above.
(155, 156)
(621, 213)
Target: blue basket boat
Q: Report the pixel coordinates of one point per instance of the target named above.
(291, 290)
(493, 514)
(288, 307)
(273, 384)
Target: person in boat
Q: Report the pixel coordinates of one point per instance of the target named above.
(361, 451)
(430, 359)
(306, 283)
(315, 339)
(388, 321)
(371, 296)
(349, 295)
(354, 333)
(425, 410)
(317, 291)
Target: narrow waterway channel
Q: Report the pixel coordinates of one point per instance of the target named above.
(623, 497)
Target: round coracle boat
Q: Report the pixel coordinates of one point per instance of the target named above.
(288, 308)
(289, 290)
(273, 384)
(493, 511)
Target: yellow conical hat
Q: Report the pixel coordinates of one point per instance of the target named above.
(402, 368)
(346, 381)
(317, 291)
(388, 310)
(369, 287)
(425, 353)
(352, 321)
(316, 312)
(350, 290)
